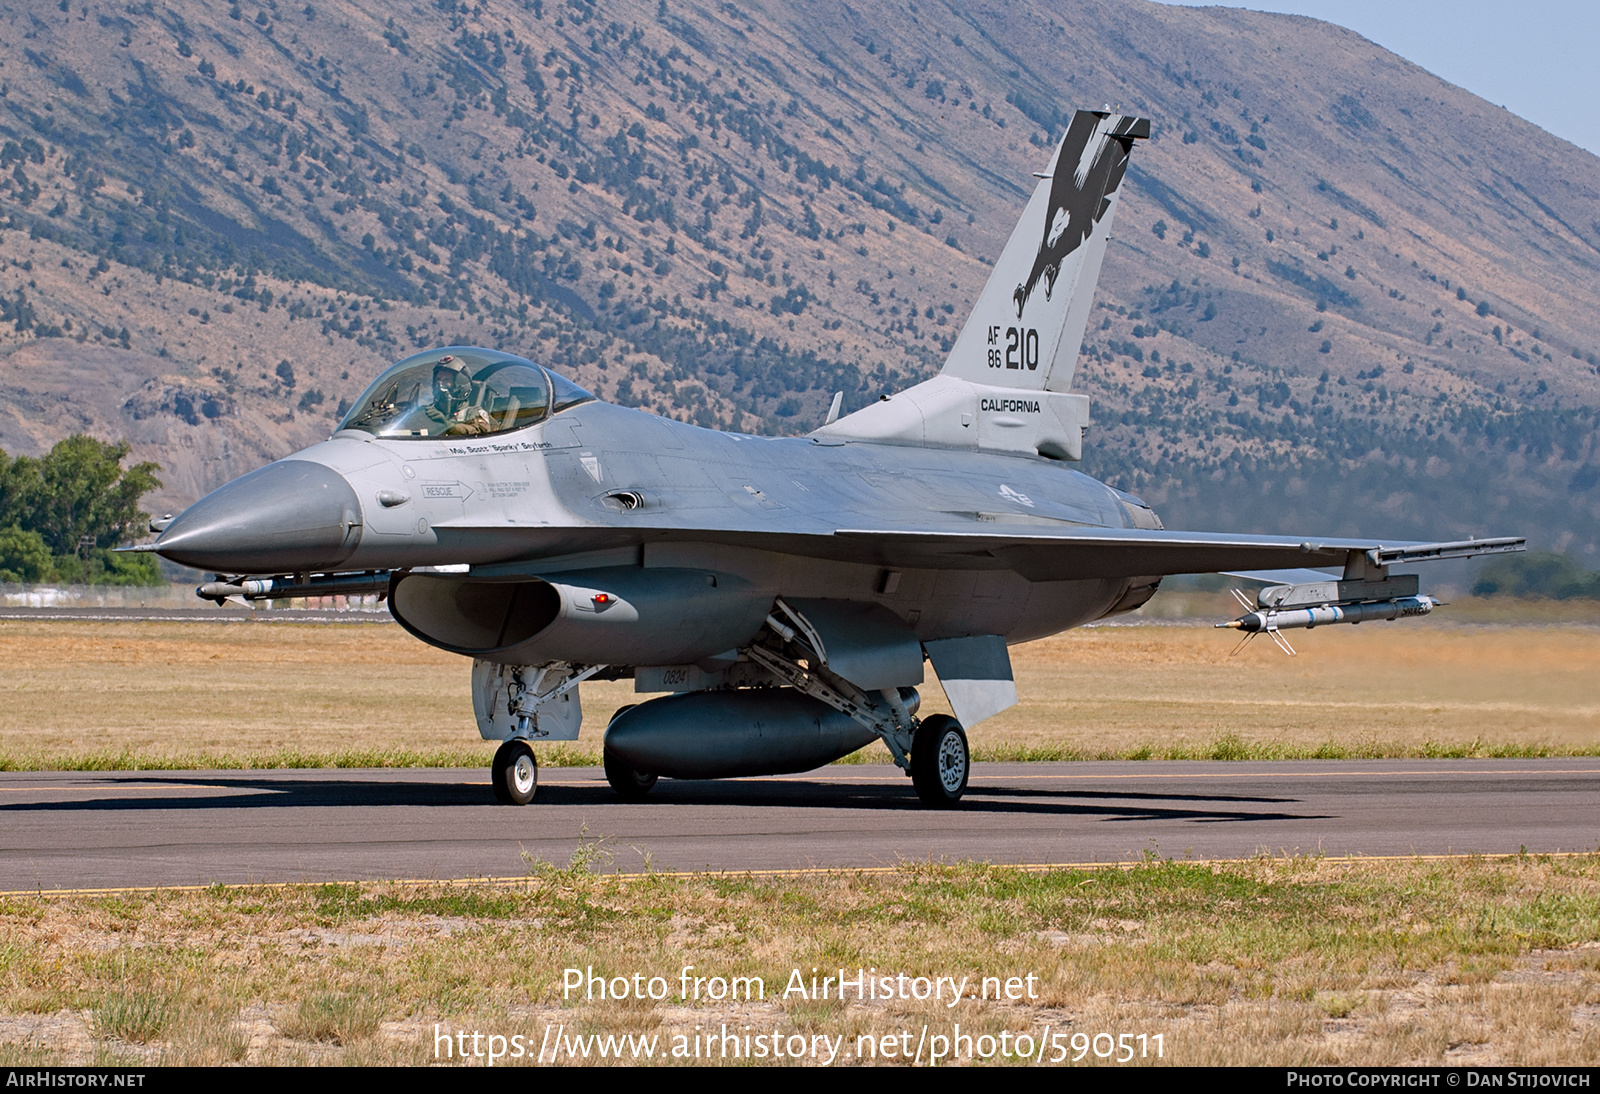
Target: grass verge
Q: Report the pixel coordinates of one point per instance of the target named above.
(1270, 961)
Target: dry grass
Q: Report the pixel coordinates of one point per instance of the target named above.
(341, 1018)
(1295, 961)
(160, 694)
(1393, 687)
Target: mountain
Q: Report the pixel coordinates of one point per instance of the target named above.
(1342, 294)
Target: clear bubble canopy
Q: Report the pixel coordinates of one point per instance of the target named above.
(461, 391)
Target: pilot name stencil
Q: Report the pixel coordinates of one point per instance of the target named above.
(479, 449)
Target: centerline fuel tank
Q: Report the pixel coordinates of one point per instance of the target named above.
(726, 734)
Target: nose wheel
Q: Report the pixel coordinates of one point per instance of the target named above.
(515, 773)
(940, 761)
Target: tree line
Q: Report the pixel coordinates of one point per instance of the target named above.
(62, 513)
(1544, 574)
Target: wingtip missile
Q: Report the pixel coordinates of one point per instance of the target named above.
(1270, 620)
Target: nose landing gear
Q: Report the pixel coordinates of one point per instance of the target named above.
(515, 773)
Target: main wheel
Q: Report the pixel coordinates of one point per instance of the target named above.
(940, 761)
(515, 773)
(629, 784)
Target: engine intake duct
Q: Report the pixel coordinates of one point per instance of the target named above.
(612, 616)
(727, 734)
(472, 617)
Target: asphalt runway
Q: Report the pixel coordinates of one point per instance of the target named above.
(76, 830)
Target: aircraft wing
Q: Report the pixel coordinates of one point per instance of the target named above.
(1132, 552)
(1051, 555)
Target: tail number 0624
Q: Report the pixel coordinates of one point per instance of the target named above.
(1021, 349)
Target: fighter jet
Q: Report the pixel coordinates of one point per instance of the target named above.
(787, 592)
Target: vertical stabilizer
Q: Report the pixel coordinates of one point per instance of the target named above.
(1028, 325)
(1005, 386)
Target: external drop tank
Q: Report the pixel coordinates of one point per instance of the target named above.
(725, 734)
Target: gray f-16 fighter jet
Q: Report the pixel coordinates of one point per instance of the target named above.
(787, 591)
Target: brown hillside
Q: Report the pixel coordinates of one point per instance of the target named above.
(726, 212)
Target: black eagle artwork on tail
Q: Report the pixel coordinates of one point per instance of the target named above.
(1093, 157)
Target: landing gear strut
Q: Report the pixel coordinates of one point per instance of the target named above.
(515, 773)
(933, 751)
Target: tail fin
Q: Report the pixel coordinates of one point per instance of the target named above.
(1004, 387)
(1027, 327)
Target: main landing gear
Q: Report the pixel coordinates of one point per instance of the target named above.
(933, 751)
(940, 761)
(630, 785)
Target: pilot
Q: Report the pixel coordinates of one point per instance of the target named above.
(452, 388)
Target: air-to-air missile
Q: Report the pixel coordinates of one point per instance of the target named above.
(1358, 598)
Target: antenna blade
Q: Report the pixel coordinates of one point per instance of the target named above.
(833, 411)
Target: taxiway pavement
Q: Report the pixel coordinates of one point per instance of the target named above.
(77, 830)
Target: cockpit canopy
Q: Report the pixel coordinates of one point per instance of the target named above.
(461, 391)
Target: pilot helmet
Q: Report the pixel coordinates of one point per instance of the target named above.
(450, 375)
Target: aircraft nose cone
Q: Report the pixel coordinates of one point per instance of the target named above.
(287, 516)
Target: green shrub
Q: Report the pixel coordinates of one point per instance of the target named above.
(24, 557)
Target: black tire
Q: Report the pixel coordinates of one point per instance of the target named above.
(940, 761)
(515, 773)
(629, 784)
